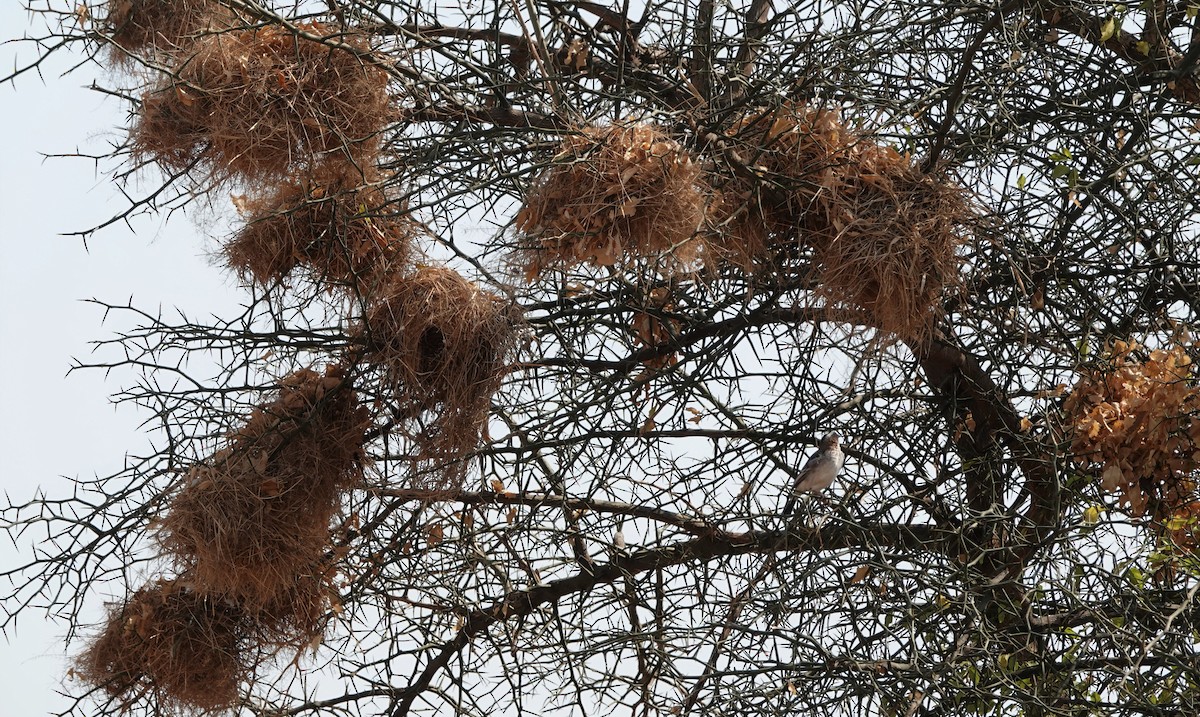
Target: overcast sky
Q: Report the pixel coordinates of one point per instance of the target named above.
(54, 426)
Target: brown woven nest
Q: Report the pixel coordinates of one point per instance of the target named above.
(611, 194)
(1135, 423)
(736, 232)
(794, 153)
(251, 522)
(261, 103)
(163, 26)
(171, 643)
(884, 235)
(445, 344)
(335, 222)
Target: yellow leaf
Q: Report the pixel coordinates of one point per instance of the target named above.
(1091, 516)
(1108, 29)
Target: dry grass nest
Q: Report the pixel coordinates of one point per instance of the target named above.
(612, 193)
(1136, 424)
(793, 152)
(171, 642)
(445, 344)
(261, 103)
(162, 26)
(336, 222)
(884, 235)
(252, 522)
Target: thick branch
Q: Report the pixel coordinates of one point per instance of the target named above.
(695, 526)
(719, 544)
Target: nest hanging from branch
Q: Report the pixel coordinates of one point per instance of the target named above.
(162, 26)
(252, 523)
(612, 194)
(884, 235)
(793, 153)
(171, 642)
(337, 223)
(263, 103)
(445, 344)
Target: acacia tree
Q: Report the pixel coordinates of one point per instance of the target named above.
(540, 467)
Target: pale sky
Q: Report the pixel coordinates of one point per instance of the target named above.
(53, 425)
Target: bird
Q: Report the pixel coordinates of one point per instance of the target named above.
(818, 473)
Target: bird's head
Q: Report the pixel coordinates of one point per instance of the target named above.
(829, 441)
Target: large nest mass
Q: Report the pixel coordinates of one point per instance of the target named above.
(161, 26)
(263, 102)
(335, 222)
(172, 642)
(445, 344)
(252, 523)
(612, 193)
(884, 235)
(792, 152)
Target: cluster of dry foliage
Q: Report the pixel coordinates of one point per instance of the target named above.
(883, 235)
(294, 116)
(1135, 421)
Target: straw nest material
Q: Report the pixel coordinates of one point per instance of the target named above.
(445, 344)
(612, 193)
(1136, 424)
(794, 152)
(884, 234)
(736, 232)
(167, 26)
(171, 642)
(335, 222)
(253, 521)
(262, 102)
